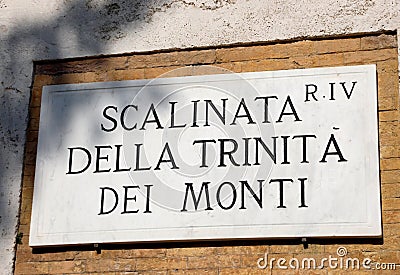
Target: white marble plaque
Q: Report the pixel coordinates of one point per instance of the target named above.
(225, 156)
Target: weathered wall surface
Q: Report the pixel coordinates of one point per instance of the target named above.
(223, 257)
(42, 29)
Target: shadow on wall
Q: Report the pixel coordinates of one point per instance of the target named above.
(57, 30)
(80, 28)
(68, 28)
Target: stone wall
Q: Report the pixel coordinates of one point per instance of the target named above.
(222, 257)
(45, 30)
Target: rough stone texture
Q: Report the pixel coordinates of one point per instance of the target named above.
(43, 29)
(223, 257)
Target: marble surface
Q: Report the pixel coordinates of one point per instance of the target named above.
(251, 155)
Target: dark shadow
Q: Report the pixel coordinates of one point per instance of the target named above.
(41, 39)
(208, 243)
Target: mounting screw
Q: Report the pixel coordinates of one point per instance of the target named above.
(97, 248)
(304, 242)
